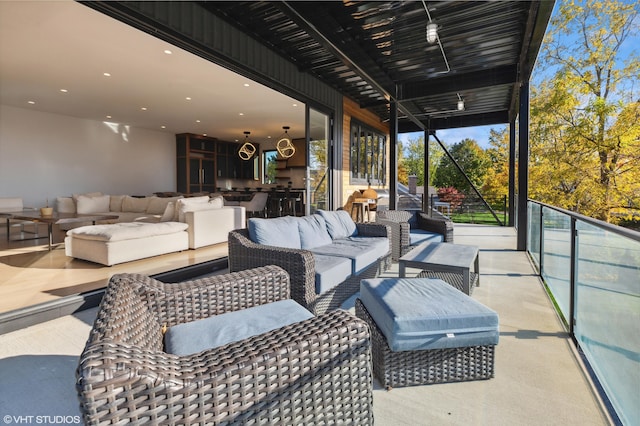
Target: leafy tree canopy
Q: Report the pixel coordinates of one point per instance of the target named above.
(471, 158)
(584, 132)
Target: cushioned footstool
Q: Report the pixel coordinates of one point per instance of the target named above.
(425, 331)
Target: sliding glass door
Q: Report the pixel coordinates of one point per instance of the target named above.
(318, 178)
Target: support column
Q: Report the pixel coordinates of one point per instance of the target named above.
(393, 155)
(512, 173)
(425, 192)
(523, 167)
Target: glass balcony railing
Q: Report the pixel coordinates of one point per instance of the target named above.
(592, 271)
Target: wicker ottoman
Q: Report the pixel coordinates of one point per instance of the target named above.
(425, 331)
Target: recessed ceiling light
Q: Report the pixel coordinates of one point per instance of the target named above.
(188, 98)
(31, 102)
(246, 85)
(106, 74)
(204, 134)
(143, 108)
(197, 121)
(163, 127)
(64, 90)
(168, 52)
(108, 116)
(268, 137)
(242, 113)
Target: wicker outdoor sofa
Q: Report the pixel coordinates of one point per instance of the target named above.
(317, 371)
(409, 228)
(301, 266)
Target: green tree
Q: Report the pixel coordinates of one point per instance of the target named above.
(584, 119)
(472, 159)
(411, 161)
(496, 180)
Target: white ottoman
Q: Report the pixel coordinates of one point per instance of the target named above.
(123, 242)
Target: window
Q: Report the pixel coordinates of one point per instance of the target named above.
(368, 155)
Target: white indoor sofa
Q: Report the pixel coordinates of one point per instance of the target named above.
(164, 225)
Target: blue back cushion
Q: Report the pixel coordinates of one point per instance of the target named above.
(279, 232)
(313, 231)
(197, 336)
(339, 223)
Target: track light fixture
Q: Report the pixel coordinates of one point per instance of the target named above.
(460, 103)
(432, 32)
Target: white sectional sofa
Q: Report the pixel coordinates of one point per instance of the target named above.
(164, 225)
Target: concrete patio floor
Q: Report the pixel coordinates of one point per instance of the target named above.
(538, 380)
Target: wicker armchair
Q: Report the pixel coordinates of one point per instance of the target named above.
(300, 264)
(311, 372)
(400, 223)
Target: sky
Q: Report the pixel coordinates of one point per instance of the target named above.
(451, 136)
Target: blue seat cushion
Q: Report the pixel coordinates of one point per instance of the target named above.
(419, 236)
(363, 251)
(330, 271)
(279, 232)
(422, 313)
(197, 336)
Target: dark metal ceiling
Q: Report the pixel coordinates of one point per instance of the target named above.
(376, 52)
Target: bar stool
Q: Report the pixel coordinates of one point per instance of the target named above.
(289, 203)
(361, 206)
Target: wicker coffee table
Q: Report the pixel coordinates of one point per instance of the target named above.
(456, 264)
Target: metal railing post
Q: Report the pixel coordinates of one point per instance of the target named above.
(541, 238)
(572, 279)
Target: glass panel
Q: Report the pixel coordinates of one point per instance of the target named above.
(533, 232)
(355, 132)
(556, 257)
(608, 314)
(318, 178)
(269, 166)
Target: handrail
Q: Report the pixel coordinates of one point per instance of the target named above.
(625, 232)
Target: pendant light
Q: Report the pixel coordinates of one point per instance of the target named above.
(284, 145)
(247, 150)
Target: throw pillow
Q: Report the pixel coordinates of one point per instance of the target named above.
(115, 203)
(278, 232)
(86, 194)
(157, 205)
(339, 224)
(313, 231)
(65, 205)
(87, 205)
(169, 212)
(217, 202)
(134, 204)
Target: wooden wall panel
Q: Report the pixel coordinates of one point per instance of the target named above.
(352, 110)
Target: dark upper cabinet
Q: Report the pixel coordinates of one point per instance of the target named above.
(203, 161)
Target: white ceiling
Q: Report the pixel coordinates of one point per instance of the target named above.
(46, 46)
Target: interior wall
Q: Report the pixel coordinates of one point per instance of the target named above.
(44, 156)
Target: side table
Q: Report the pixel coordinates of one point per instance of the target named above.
(456, 264)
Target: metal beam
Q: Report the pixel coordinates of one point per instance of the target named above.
(458, 83)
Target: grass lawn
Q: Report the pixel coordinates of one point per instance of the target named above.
(481, 217)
